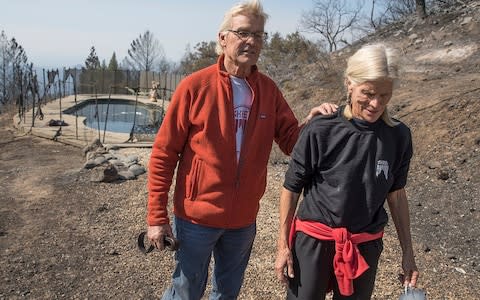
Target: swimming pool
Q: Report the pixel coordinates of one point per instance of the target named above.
(119, 115)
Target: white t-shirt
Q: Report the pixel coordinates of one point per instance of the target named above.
(242, 102)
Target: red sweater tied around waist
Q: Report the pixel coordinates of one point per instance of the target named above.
(348, 263)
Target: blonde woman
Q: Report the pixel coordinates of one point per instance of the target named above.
(347, 165)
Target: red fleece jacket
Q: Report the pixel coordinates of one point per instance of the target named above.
(198, 133)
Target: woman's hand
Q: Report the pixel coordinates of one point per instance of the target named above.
(410, 270)
(398, 204)
(284, 261)
(284, 265)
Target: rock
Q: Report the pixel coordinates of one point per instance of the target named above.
(126, 175)
(116, 162)
(132, 158)
(426, 248)
(121, 157)
(118, 166)
(94, 145)
(99, 160)
(433, 165)
(137, 169)
(418, 41)
(466, 21)
(104, 173)
(129, 160)
(443, 175)
(102, 208)
(90, 164)
(438, 35)
(113, 252)
(108, 156)
(90, 155)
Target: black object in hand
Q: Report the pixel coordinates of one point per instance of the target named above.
(169, 242)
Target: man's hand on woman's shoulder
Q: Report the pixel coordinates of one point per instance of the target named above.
(326, 108)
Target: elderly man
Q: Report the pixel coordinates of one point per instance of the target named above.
(219, 128)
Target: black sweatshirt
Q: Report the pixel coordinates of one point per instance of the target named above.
(346, 169)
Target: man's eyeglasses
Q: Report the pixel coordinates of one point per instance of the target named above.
(245, 35)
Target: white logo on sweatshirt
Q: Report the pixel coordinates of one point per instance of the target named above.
(382, 166)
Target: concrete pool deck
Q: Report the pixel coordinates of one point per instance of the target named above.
(76, 133)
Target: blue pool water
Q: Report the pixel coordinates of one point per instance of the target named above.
(121, 115)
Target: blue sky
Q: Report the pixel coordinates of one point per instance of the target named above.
(59, 33)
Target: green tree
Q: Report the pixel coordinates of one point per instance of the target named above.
(113, 64)
(115, 75)
(282, 56)
(92, 62)
(202, 56)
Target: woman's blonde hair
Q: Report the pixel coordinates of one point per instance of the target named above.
(251, 8)
(372, 63)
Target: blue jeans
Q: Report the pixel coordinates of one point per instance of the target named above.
(231, 251)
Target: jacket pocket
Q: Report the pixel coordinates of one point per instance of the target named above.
(193, 179)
